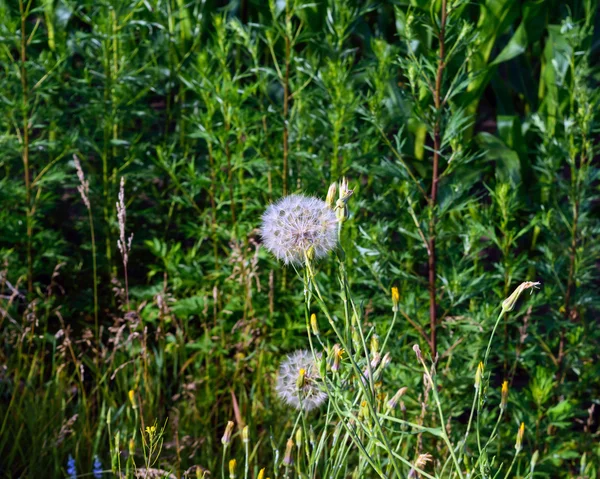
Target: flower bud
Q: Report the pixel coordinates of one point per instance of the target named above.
(261, 474)
(520, 434)
(374, 344)
(330, 199)
(504, 400)
(287, 458)
(337, 355)
(396, 397)
(245, 435)
(299, 438)
(478, 375)
(232, 467)
(417, 351)
(301, 381)
(226, 439)
(395, 299)
(509, 303)
(131, 395)
(314, 325)
(533, 462)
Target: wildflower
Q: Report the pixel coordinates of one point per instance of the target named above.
(71, 470)
(261, 474)
(287, 458)
(232, 467)
(314, 325)
(330, 199)
(341, 207)
(131, 395)
(150, 430)
(97, 468)
(478, 375)
(423, 459)
(417, 351)
(337, 355)
(298, 381)
(299, 438)
(504, 399)
(297, 223)
(520, 434)
(245, 435)
(395, 299)
(226, 439)
(375, 344)
(509, 303)
(394, 401)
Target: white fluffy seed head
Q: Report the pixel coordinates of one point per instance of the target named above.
(309, 396)
(296, 223)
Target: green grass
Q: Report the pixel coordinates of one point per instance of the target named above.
(469, 135)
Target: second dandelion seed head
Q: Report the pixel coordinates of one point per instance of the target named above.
(305, 393)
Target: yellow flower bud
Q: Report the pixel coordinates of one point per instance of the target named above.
(520, 434)
(301, 381)
(478, 375)
(395, 299)
(314, 325)
(132, 398)
(261, 474)
(504, 400)
(232, 467)
(245, 435)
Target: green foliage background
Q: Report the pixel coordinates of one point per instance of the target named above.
(212, 110)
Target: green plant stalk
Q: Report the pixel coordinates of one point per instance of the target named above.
(357, 370)
(444, 433)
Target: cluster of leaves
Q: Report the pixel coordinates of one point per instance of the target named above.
(211, 110)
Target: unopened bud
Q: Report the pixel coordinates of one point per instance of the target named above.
(261, 474)
(374, 344)
(337, 355)
(396, 397)
(509, 303)
(330, 199)
(520, 434)
(287, 458)
(245, 435)
(131, 395)
(226, 439)
(533, 462)
(314, 325)
(478, 375)
(417, 351)
(504, 400)
(299, 438)
(310, 253)
(395, 299)
(301, 381)
(232, 468)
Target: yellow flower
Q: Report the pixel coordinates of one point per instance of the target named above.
(395, 299)
(150, 430)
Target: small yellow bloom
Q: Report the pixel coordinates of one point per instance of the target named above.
(504, 400)
(232, 467)
(261, 474)
(314, 325)
(132, 398)
(301, 381)
(520, 434)
(150, 430)
(395, 299)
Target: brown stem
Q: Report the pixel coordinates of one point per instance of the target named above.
(25, 112)
(434, 184)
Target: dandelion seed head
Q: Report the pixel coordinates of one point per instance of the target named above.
(309, 396)
(296, 224)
